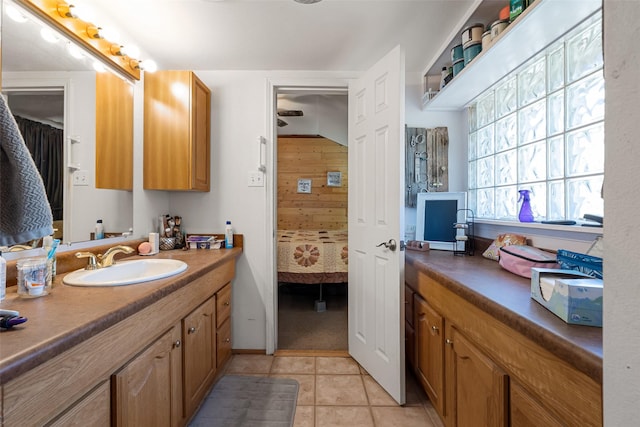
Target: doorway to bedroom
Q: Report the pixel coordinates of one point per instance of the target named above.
(311, 206)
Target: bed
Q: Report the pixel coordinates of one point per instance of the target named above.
(311, 257)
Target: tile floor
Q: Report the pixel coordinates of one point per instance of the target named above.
(336, 391)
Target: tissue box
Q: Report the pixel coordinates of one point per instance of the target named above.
(573, 296)
(203, 242)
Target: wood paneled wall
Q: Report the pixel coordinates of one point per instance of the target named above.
(311, 158)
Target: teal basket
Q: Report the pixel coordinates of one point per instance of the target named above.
(583, 263)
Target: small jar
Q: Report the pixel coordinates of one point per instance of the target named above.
(33, 277)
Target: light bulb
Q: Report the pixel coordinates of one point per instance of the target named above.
(111, 34)
(15, 14)
(99, 67)
(74, 51)
(131, 51)
(84, 12)
(49, 35)
(149, 65)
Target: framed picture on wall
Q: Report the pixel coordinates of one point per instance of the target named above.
(304, 185)
(334, 179)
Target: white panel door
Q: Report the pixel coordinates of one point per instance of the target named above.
(376, 178)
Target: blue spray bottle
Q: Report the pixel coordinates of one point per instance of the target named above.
(526, 214)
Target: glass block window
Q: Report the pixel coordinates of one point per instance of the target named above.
(541, 128)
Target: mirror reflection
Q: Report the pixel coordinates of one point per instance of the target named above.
(52, 92)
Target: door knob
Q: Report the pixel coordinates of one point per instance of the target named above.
(391, 245)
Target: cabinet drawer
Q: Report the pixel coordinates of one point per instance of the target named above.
(224, 343)
(223, 304)
(93, 410)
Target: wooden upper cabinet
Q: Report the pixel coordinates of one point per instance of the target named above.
(177, 111)
(114, 132)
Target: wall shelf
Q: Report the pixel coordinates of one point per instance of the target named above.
(537, 27)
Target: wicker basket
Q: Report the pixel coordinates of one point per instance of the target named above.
(167, 243)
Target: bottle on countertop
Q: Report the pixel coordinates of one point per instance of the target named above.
(228, 236)
(99, 230)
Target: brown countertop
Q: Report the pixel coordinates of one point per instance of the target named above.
(507, 297)
(70, 315)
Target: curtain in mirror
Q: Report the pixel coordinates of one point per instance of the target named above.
(46, 145)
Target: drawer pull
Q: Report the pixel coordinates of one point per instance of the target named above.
(177, 344)
(191, 330)
(448, 341)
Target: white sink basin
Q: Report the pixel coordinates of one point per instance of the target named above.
(126, 273)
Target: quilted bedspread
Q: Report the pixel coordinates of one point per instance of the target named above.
(307, 251)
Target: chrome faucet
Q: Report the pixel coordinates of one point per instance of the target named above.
(107, 260)
(104, 260)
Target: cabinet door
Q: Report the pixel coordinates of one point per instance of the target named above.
(223, 304)
(176, 131)
(201, 135)
(429, 361)
(94, 410)
(199, 331)
(147, 389)
(114, 132)
(526, 411)
(476, 386)
(224, 342)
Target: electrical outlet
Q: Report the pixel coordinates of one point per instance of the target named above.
(255, 179)
(81, 178)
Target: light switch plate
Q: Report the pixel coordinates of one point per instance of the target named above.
(81, 178)
(255, 179)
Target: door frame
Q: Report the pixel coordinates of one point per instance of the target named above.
(271, 223)
(53, 84)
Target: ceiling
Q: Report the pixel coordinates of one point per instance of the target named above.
(333, 35)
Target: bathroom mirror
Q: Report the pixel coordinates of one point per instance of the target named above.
(44, 83)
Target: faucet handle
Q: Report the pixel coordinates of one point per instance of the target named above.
(92, 264)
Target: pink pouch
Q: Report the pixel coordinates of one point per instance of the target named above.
(519, 259)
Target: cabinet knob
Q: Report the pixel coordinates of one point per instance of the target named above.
(448, 341)
(227, 340)
(434, 328)
(177, 344)
(191, 330)
(226, 303)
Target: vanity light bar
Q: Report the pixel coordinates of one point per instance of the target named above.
(60, 15)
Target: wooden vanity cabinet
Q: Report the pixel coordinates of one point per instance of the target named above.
(93, 410)
(429, 347)
(148, 389)
(114, 132)
(478, 371)
(223, 324)
(152, 368)
(199, 331)
(476, 387)
(177, 111)
(526, 411)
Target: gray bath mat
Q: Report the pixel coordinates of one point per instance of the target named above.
(239, 401)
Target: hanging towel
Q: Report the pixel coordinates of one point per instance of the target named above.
(25, 213)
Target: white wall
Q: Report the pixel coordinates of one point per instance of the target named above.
(324, 115)
(83, 205)
(622, 233)
(238, 118)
